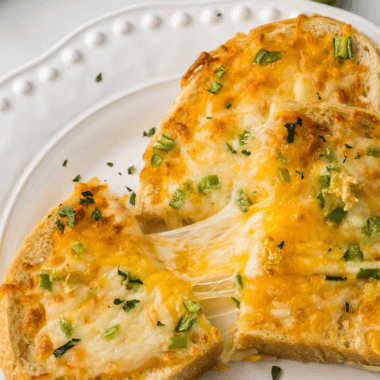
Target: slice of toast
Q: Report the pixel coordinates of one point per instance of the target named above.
(83, 300)
(196, 154)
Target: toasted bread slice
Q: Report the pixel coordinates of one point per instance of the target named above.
(196, 154)
(82, 300)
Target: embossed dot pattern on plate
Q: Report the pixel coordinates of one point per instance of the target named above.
(71, 56)
(122, 27)
(241, 14)
(151, 21)
(270, 14)
(211, 16)
(181, 19)
(95, 38)
(22, 87)
(48, 73)
(4, 104)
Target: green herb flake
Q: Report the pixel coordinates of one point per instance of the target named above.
(118, 301)
(192, 306)
(128, 188)
(66, 327)
(151, 132)
(373, 151)
(69, 212)
(337, 215)
(185, 324)
(319, 96)
(209, 117)
(243, 201)
(321, 200)
(330, 156)
(301, 174)
(353, 253)
(242, 137)
(327, 2)
(372, 227)
(236, 301)
(343, 47)
(122, 274)
(347, 307)
(131, 170)
(246, 152)
(215, 87)
(88, 200)
(264, 57)
(366, 273)
(238, 282)
(63, 349)
(112, 332)
(228, 105)
(178, 199)
(281, 245)
(60, 226)
(110, 164)
(345, 159)
(129, 305)
(358, 156)
(77, 178)
(178, 342)
(96, 215)
(159, 324)
(284, 174)
(230, 149)
(87, 194)
(335, 278)
(348, 146)
(132, 199)
(164, 143)
(291, 128)
(99, 78)
(45, 282)
(77, 247)
(325, 181)
(219, 72)
(156, 160)
(64, 163)
(208, 184)
(276, 372)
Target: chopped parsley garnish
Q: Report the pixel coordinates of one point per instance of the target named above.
(353, 253)
(164, 143)
(178, 342)
(99, 78)
(276, 372)
(178, 199)
(66, 327)
(215, 87)
(348, 146)
(209, 117)
(60, 226)
(192, 306)
(69, 212)
(238, 282)
(337, 215)
(301, 174)
(322, 138)
(119, 173)
(156, 160)
(281, 245)
(185, 324)
(208, 184)
(87, 194)
(151, 132)
(321, 200)
(110, 164)
(129, 305)
(291, 127)
(242, 137)
(219, 72)
(64, 163)
(77, 178)
(228, 105)
(131, 170)
(347, 307)
(243, 201)
(122, 274)
(284, 174)
(345, 159)
(343, 47)
(372, 227)
(236, 301)
(63, 349)
(96, 215)
(365, 273)
(329, 155)
(319, 96)
(77, 247)
(88, 198)
(358, 156)
(159, 324)
(132, 199)
(112, 332)
(246, 152)
(264, 56)
(335, 278)
(230, 148)
(373, 151)
(118, 301)
(45, 282)
(328, 2)
(128, 188)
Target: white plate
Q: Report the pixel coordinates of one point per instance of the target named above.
(55, 102)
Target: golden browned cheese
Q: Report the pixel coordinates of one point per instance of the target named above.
(201, 123)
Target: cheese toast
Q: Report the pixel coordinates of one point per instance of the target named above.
(83, 301)
(196, 153)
